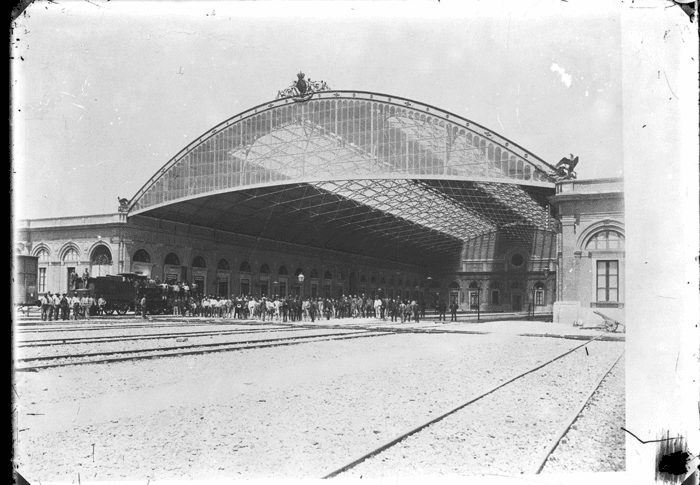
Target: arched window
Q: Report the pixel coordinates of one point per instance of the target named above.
(328, 276)
(539, 294)
(172, 259)
(391, 281)
(282, 271)
(373, 280)
(473, 285)
(71, 255)
(245, 267)
(101, 255)
(298, 272)
(43, 255)
(399, 282)
(454, 285)
(199, 262)
(382, 281)
(314, 274)
(606, 240)
(223, 265)
(341, 276)
(141, 256)
(363, 279)
(264, 269)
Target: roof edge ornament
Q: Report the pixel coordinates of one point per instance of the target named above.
(564, 170)
(302, 89)
(123, 204)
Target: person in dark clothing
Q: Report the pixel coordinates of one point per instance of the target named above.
(442, 308)
(453, 311)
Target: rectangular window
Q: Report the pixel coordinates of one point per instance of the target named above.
(539, 297)
(42, 280)
(474, 300)
(314, 291)
(494, 297)
(283, 290)
(607, 281)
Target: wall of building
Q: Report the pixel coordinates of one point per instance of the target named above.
(589, 209)
(503, 273)
(544, 270)
(64, 244)
(79, 237)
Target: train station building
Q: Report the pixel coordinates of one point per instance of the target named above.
(325, 193)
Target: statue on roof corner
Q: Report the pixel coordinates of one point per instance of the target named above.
(302, 89)
(123, 204)
(564, 170)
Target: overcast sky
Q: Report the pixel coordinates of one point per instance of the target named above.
(106, 93)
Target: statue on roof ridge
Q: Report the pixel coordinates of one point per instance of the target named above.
(302, 89)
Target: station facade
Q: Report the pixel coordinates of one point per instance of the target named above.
(572, 273)
(327, 194)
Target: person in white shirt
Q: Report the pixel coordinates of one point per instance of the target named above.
(75, 304)
(45, 306)
(85, 307)
(251, 308)
(56, 305)
(101, 303)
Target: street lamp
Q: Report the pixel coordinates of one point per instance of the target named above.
(301, 284)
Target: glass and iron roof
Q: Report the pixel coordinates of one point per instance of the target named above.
(359, 172)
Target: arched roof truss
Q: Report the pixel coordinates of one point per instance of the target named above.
(348, 161)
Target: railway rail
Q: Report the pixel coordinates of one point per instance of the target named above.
(177, 351)
(103, 339)
(376, 451)
(106, 326)
(537, 468)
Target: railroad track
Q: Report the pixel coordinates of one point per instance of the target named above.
(106, 326)
(388, 450)
(28, 364)
(91, 340)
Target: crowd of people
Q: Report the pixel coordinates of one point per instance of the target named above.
(184, 300)
(57, 306)
(295, 308)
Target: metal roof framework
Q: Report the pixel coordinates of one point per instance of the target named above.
(363, 173)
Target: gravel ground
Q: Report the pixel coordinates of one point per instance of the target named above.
(518, 422)
(596, 441)
(290, 412)
(192, 341)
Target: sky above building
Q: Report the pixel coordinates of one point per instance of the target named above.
(105, 93)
